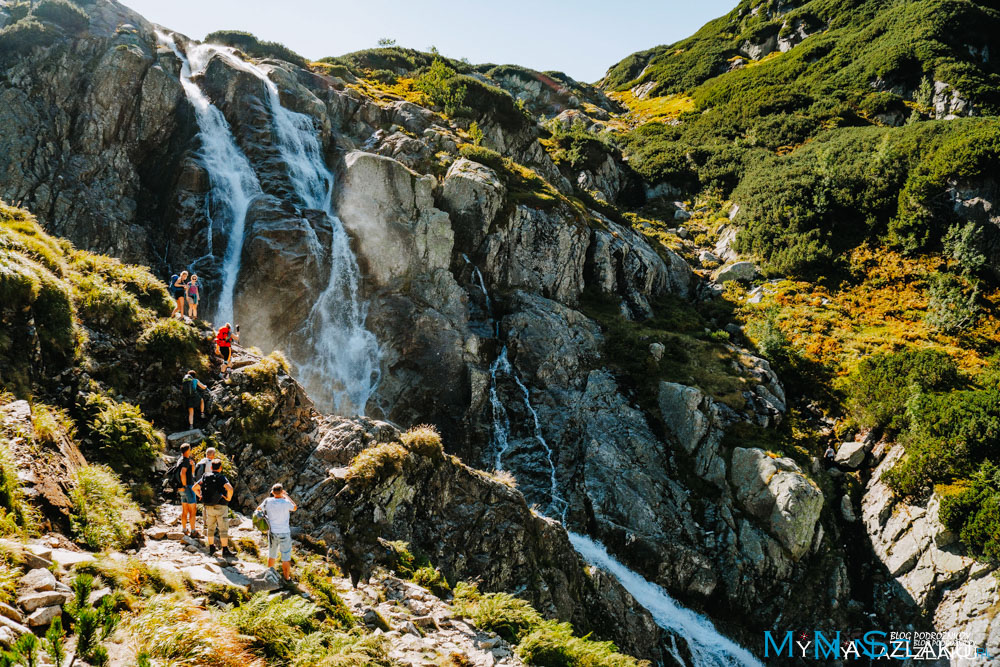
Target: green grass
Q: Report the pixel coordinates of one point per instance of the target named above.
(104, 514)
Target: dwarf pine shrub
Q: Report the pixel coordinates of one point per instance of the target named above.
(104, 515)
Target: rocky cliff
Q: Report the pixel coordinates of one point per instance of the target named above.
(517, 305)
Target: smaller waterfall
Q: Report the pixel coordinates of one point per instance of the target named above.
(234, 183)
(709, 647)
(501, 421)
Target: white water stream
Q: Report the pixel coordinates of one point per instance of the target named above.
(340, 365)
(708, 647)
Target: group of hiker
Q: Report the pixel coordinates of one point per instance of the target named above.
(205, 482)
(183, 288)
(192, 388)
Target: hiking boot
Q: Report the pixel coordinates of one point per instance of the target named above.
(227, 554)
(195, 534)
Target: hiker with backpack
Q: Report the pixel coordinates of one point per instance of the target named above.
(192, 387)
(224, 340)
(277, 510)
(215, 492)
(178, 288)
(184, 474)
(192, 297)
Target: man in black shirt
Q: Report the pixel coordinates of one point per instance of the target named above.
(215, 492)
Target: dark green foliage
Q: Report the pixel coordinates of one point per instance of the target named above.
(123, 436)
(254, 47)
(54, 638)
(63, 13)
(483, 100)
(173, 344)
(949, 435)
(577, 148)
(24, 651)
(25, 35)
(882, 385)
(326, 596)
(974, 513)
(401, 61)
(439, 85)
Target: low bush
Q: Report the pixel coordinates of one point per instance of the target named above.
(552, 644)
(25, 35)
(150, 291)
(375, 464)
(263, 374)
(439, 84)
(51, 424)
(104, 514)
(423, 440)
(108, 308)
(123, 437)
(173, 344)
(880, 387)
(502, 613)
(974, 513)
(432, 579)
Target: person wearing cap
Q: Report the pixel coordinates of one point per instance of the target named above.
(192, 388)
(278, 508)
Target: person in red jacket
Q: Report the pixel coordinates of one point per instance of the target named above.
(224, 340)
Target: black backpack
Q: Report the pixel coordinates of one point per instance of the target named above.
(213, 489)
(172, 479)
(190, 386)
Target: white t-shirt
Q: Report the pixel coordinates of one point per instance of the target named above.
(278, 511)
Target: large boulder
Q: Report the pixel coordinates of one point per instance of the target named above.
(775, 491)
(739, 271)
(473, 195)
(697, 424)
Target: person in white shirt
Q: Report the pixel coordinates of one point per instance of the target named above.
(278, 509)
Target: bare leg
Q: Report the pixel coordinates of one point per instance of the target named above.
(191, 416)
(203, 407)
(270, 562)
(286, 568)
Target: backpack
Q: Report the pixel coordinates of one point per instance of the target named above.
(190, 386)
(259, 520)
(200, 467)
(172, 478)
(173, 281)
(213, 489)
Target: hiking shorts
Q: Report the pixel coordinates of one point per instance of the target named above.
(177, 292)
(187, 495)
(192, 298)
(282, 540)
(226, 351)
(216, 516)
(194, 401)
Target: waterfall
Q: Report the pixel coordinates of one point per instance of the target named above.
(708, 647)
(341, 366)
(338, 360)
(234, 184)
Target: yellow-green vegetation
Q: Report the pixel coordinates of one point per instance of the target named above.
(263, 374)
(17, 515)
(424, 440)
(175, 345)
(121, 435)
(417, 568)
(10, 574)
(48, 289)
(174, 630)
(317, 578)
(104, 514)
(51, 424)
(539, 641)
(134, 578)
(288, 631)
(377, 463)
(652, 109)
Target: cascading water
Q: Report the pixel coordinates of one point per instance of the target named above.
(234, 184)
(340, 360)
(343, 362)
(708, 647)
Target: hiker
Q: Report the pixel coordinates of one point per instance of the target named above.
(278, 508)
(192, 388)
(215, 492)
(192, 297)
(178, 288)
(205, 464)
(224, 344)
(830, 457)
(189, 510)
